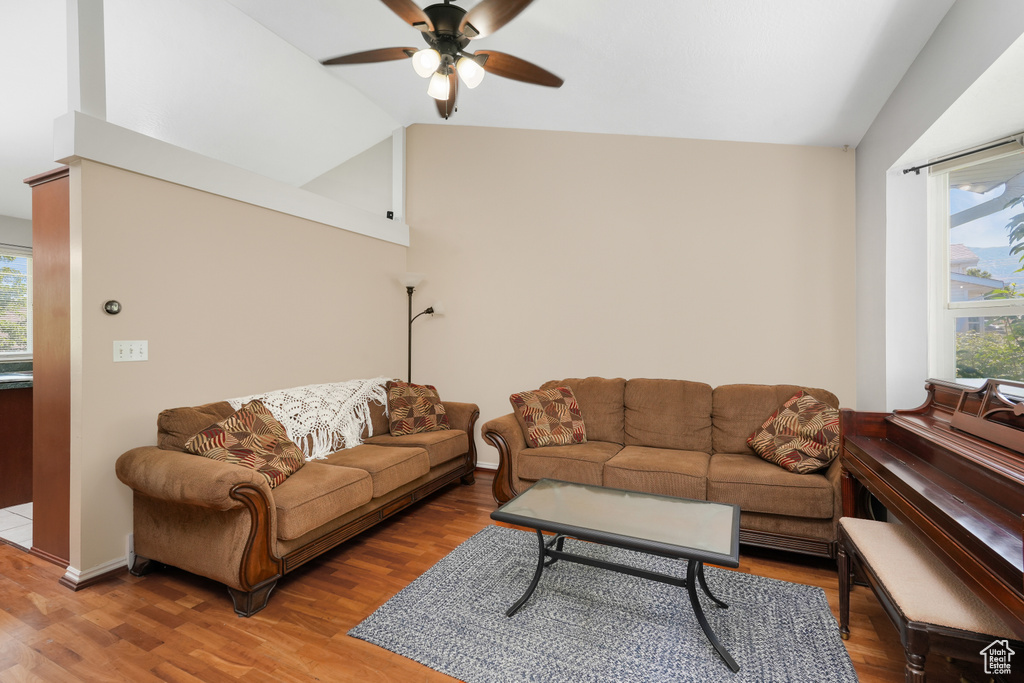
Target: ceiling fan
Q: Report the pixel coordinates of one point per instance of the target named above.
(447, 29)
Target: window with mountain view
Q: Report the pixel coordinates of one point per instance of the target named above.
(984, 302)
(15, 304)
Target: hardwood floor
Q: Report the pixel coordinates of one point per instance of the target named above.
(174, 626)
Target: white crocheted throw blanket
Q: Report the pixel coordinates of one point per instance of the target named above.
(332, 415)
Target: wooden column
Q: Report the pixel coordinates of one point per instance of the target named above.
(51, 365)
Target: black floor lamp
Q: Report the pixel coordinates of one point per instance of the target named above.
(410, 281)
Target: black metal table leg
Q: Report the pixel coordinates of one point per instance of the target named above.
(558, 541)
(536, 578)
(696, 568)
(704, 585)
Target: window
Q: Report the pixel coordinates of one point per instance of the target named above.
(15, 303)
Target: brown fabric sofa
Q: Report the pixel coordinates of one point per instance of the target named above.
(681, 438)
(224, 522)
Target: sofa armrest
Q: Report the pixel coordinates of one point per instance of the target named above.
(461, 415)
(185, 478)
(504, 434)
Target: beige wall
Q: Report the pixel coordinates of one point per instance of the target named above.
(233, 299)
(569, 254)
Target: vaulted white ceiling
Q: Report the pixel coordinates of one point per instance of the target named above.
(241, 82)
(801, 72)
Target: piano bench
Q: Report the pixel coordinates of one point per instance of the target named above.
(931, 608)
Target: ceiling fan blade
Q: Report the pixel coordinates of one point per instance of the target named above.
(490, 15)
(508, 66)
(384, 54)
(447, 107)
(410, 13)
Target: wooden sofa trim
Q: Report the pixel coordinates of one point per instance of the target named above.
(502, 488)
(795, 544)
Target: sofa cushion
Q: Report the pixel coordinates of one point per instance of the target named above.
(668, 413)
(251, 438)
(802, 435)
(389, 466)
(759, 486)
(582, 463)
(600, 402)
(318, 494)
(659, 470)
(441, 446)
(738, 409)
(415, 408)
(175, 426)
(549, 417)
(379, 421)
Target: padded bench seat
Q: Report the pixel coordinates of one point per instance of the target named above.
(932, 609)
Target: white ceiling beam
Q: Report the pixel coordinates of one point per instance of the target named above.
(87, 84)
(79, 136)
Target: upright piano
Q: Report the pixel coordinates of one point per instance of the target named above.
(952, 471)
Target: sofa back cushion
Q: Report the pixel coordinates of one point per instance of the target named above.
(175, 426)
(668, 413)
(601, 405)
(739, 409)
(381, 425)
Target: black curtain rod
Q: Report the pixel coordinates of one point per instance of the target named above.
(917, 169)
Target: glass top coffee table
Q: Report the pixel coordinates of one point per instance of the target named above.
(698, 531)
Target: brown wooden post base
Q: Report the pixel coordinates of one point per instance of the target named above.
(468, 479)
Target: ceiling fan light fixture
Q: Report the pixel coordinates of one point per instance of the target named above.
(438, 88)
(471, 72)
(426, 61)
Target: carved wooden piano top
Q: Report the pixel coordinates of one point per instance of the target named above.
(961, 493)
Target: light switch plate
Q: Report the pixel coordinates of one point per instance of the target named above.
(128, 351)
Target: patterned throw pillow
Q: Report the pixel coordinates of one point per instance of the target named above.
(802, 435)
(549, 417)
(252, 438)
(415, 408)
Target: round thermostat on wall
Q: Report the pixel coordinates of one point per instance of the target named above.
(112, 307)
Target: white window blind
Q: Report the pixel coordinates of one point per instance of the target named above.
(15, 302)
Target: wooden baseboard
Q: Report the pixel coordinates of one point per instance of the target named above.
(74, 585)
(53, 559)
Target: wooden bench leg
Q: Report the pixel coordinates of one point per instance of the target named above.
(916, 644)
(915, 668)
(844, 591)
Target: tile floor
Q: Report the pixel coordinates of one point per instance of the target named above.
(16, 525)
